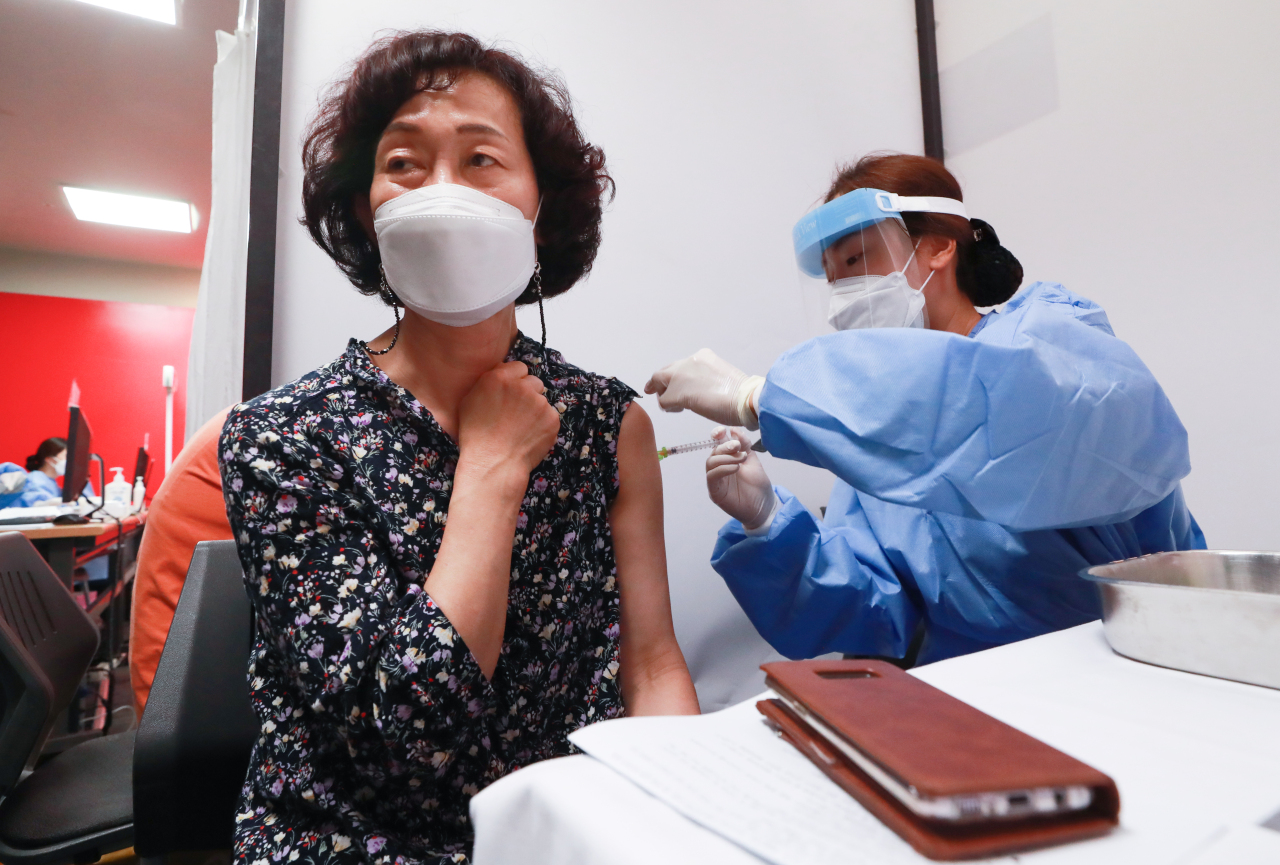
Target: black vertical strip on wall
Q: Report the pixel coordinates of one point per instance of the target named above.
(264, 174)
(930, 96)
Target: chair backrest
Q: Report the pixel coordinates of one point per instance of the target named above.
(46, 644)
(198, 728)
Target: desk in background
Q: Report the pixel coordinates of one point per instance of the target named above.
(65, 546)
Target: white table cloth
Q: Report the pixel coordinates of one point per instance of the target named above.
(1197, 761)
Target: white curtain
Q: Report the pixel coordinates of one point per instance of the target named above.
(217, 334)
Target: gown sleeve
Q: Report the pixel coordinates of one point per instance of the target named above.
(40, 488)
(370, 663)
(811, 588)
(1044, 420)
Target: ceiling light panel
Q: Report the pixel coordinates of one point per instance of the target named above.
(133, 211)
(164, 11)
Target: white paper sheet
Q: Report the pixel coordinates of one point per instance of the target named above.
(1241, 844)
(731, 774)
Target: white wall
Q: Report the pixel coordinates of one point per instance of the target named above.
(722, 123)
(1128, 150)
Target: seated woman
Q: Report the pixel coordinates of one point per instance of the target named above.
(452, 537)
(44, 467)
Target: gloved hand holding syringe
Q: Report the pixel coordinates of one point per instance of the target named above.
(738, 483)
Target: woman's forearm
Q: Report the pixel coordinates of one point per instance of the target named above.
(324, 589)
(471, 576)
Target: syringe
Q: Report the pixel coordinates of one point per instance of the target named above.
(663, 453)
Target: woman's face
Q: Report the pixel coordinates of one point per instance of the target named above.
(468, 134)
(52, 463)
(864, 253)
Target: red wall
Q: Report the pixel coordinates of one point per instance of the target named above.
(114, 351)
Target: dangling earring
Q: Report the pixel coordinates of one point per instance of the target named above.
(542, 316)
(389, 296)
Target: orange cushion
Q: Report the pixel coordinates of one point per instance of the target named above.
(188, 508)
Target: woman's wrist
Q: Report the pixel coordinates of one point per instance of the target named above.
(666, 690)
(505, 478)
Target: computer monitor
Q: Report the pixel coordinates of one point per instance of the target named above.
(79, 442)
(141, 464)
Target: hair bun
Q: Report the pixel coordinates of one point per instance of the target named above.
(987, 272)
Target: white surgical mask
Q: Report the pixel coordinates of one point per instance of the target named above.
(60, 467)
(875, 301)
(878, 301)
(453, 254)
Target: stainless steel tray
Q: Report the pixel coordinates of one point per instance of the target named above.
(1204, 611)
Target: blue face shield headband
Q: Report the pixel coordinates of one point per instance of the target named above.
(855, 211)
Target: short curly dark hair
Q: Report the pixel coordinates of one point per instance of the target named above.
(342, 139)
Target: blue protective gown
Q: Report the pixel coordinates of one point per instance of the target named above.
(976, 477)
(39, 488)
(10, 500)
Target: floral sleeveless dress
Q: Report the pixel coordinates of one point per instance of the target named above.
(377, 724)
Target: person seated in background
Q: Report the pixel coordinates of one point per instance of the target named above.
(44, 467)
(452, 537)
(187, 509)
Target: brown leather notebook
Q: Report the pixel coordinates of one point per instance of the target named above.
(953, 782)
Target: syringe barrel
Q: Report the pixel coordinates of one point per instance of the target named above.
(692, 446)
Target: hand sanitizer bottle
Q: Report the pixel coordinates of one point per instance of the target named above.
(119, 492)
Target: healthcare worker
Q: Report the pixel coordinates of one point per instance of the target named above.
(982, 460)
(44, 467)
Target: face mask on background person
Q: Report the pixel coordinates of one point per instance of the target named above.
(60, 467)
(453, 254)
(878, 301)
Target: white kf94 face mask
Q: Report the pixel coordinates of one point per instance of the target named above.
(878, 301)
(453, 254)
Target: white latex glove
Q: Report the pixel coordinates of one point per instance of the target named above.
(707, 385)
(737, 482)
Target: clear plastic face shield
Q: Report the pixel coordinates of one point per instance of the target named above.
(859, 245)
(875, 251)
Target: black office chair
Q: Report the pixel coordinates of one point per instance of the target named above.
(78, 806)
(198, 728)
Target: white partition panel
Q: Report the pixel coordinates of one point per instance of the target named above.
(1128, 150)
(722, 123)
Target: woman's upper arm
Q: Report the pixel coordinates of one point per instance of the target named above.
(636, 523)
(298, 544)
(655, 679)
